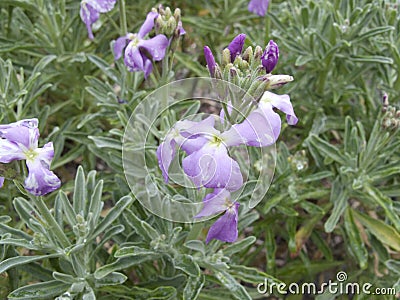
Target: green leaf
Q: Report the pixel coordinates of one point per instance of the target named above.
(355, 240)
(383, 232)
(371, 59)
(193, 287)
(196, 245)
(133, 251)
(230, 283)
(393, 265)
(106, 142)
(112, 215)
(113, 278)
(327, 149)
(122, 264)
(339, 197)
(239, 246)
(79, 198)
(21, 260)
(186, 263)
(43, 290)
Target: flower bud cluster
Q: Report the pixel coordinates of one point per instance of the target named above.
(250, 69)
(167, 23)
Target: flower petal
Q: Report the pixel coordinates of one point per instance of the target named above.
(119, 46)
(41, 180)
(212, 167)
(215, 203)
(89, 15)
(156, 46)
(270, 56)
(10, 151)
(101, 5)
(148, 24)
(165, 154)
(258, 7)
(225, 228)
(236, 46)
(281, 102)
(1, 182)
(24, 133)
(192, 129)
(260, 129)
(133, 58)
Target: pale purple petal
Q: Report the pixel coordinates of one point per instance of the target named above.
(1, 181)
(24, 133)
(215, 203)
(180, 28)
(119, 46)
(261, 128)
(192, 129)
(190, 145)
(281, 102)
(258, 7)
(210, 60)
(101, 5)
(89, 15)
(212, 167)
(147, 66)
(148, 24)
(133, 58)
(10, 151)
(270, 56)
(165, 154)
(41, 180)
(236, 46)
(225, 228)
(156, 46)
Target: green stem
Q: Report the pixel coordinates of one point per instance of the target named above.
(195, 231)
(122, 17)
(51, 222)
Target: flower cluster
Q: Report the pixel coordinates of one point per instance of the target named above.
(208, 163)
(19, 141)
(139, 51)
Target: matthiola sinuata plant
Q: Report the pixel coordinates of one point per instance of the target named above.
(208, 164)
(19, 141)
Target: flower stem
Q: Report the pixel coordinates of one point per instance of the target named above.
(51, 222)
(122, 17)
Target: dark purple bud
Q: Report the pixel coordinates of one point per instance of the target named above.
(210, 60)
(236, 46)
(269, 59)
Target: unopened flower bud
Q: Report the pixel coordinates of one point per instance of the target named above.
(210, 61)
(270, 57)
(226, 57)
(258, 52)
(170, 26)
(236, 46)
(248, 54)
(177, 14)
(276, 81)
(167, 13)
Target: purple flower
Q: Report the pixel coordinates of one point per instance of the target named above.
(225, 228)
(1, 181)
(210, 61)
(236, 46)
(258, 7)
(270, 57)
(91, 9)
(136, 51)
(19, 141)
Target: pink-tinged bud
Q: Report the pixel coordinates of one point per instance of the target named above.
(210, 60)
(270, 57)
(236, 46)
